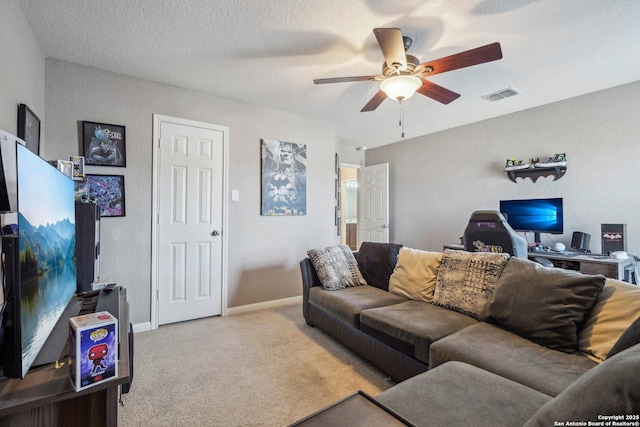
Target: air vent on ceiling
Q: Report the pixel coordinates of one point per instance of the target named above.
(501, 94)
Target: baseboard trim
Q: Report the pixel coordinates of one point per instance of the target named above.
(266, 304)
(141, 327)
(146, 326)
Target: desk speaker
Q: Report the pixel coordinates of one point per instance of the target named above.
(580, 241)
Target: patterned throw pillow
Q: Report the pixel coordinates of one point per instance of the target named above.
(336, 266)
(466, 280)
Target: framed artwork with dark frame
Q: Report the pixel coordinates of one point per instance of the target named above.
(29, 128)
(104, 144)
(108, 192)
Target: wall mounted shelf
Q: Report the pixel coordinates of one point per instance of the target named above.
(534, 173)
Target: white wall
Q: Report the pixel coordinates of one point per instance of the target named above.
(21, 68)
(263, 251)
(438, 180)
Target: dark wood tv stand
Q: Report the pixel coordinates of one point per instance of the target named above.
(45, 397)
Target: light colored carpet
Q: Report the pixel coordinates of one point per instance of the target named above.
(263, 368)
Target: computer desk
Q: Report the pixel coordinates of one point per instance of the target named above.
(587, 264)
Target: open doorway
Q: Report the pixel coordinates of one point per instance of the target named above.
(349, 206)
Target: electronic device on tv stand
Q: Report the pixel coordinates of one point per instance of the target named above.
(534, 215)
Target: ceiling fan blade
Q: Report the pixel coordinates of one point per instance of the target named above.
(374, 102)
(344, 79)
(479, 55)
(392, 46)
(437, 93)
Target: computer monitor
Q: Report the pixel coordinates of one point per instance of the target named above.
(534, 215)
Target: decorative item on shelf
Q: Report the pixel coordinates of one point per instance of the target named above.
(82, 191)
(556, 166)
(78, 167)
(513, 165)
(66, 167)
(559, 159)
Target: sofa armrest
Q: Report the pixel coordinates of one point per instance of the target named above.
(309, 280)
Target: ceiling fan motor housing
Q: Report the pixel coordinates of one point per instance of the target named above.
(412, 63)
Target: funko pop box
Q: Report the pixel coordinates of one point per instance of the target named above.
(93, 349)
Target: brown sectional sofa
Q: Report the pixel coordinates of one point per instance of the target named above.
(528, 349)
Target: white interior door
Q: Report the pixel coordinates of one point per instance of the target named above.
(190, 219)
(373, 204)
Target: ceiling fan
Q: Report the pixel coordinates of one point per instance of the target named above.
(403, 75)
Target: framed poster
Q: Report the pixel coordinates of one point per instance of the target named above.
(29, 128)
(284, 178)
(108, 192)
(104, 144)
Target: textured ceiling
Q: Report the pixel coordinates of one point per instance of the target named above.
(268, 52)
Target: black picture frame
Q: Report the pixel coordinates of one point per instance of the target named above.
(108, 192)
(29, 128)
(104, 144)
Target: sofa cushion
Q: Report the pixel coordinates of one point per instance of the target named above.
(377, 261)
(511, 356)
(346, 304)
(415, 274)
(336, 267)
(543, 304)
(611, 388)
(457, 394)
(629, 338)
(466, 280)
(615, 309)
(416, 323)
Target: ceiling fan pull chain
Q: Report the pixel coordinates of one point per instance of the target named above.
(401, 124)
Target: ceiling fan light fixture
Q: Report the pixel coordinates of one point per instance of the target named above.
(401, 87)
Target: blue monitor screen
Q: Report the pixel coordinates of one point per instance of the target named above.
(537, 215)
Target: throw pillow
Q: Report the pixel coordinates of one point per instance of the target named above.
(543, 304)
(615, 309)
(466, 280)
(629, 338)
(377, 261)
(336, 267)
(415, 274)
(611, 388)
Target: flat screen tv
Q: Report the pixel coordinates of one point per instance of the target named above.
(534, 215)
(46, 277)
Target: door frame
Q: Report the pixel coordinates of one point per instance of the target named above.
(158, 119)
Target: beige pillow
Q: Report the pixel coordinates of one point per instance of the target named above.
(614, 311)
(415, 274)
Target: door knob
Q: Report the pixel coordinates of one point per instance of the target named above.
(215, 233)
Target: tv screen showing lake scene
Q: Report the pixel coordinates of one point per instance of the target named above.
(47, 239)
